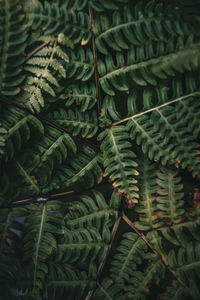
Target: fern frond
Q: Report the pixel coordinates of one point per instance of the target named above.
(140, 283)
(170, 199)
(83, 95)
(119, 161)
(117, 75)
(82, 170)
(55, 18)
(42, 69)
(175, 292)
(2, 139)
(147, 206)
(81, 64)
(186, 263)
(63, 280)
(52, 151)
(84, 244)
(76, 122)
(146, 22)
(99, 5)
(93, 211)
(108, 290)
(13, 41)
(182, 234)
(7, 235)
(131, 252)
(163, 138)
(41, 226)
(19, 128)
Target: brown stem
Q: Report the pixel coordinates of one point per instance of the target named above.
(98, 93)
(115, 227)
(156, 252)
(70, 194)
(35, 51)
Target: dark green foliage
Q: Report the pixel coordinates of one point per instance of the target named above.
(99, 149)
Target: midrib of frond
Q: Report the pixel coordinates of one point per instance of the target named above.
(122, 172)
(90, 216)
(5, 43)
(156, 108)
(26, 175)
(192, 114)
(189, 266)
(6, 227)
(80, 63)
(82, 96)
(144, 64)
(56, 20)
(69, 282)
(17, 125)
(55, 143)
(105, 293)
(81, 244)
(80, 123)
(147, 195)
(179, 139)
(88, 167)
(45, 69)
(157, 145)
(127, 259)
(171, 200)
(38, 245)
(147, 276)
(127, 24)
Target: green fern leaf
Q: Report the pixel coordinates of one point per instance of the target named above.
(118, 161)
(130, 253)
(82, 170)
(83, 95)
(62, 280)
(13, 37)
(108, 290)
(93, 211)
(41, 226)
(54, 19)
(170, 203)
(76, 122)
(147, 207)
(83, 244)
(19, 128)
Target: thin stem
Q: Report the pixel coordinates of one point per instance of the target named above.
(35, 51)
(155, 108)
(98, 93)
(69, 195)
(156, 252)
(114, 231)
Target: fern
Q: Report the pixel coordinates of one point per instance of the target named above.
(76, 122)
(82, 95)
(18, 127)
(42, 225)
(39, 75)
(99, 149)
(2, 139)
(170, 201)
(13, 37)
(147, 206)
(62, 279)
(83, 169)
(130, 252)
(116, 150)
(54, 19)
